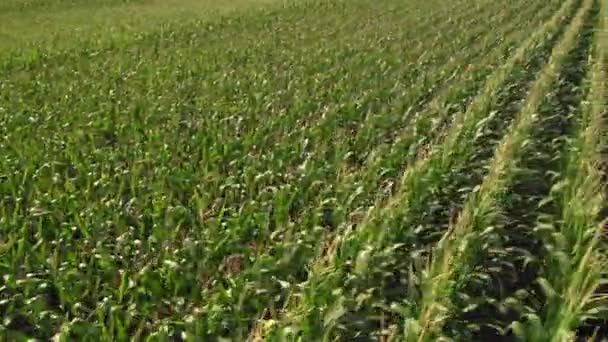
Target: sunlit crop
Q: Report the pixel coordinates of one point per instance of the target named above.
(306, 170)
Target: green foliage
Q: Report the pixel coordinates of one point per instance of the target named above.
(301, 170)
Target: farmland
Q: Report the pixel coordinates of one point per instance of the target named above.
(304, 170)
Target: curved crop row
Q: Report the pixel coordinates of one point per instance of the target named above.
(303, 170)
(451, 257)
(267, 265)
(115, 186)
(507, 279)
(574, 261)
(326, 277)
(287, 257)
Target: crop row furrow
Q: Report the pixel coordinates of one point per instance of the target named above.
(527, 247)
(520, 251)
(574, 237)
(453, 259)
(313, 165)
(446, 199)
(318, 157)
(329, 274)
(121, 172)
(289, 265)
(303, 170)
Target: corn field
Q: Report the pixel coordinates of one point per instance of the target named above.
(303, 170)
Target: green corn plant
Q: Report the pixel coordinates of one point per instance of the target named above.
(451, 254)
